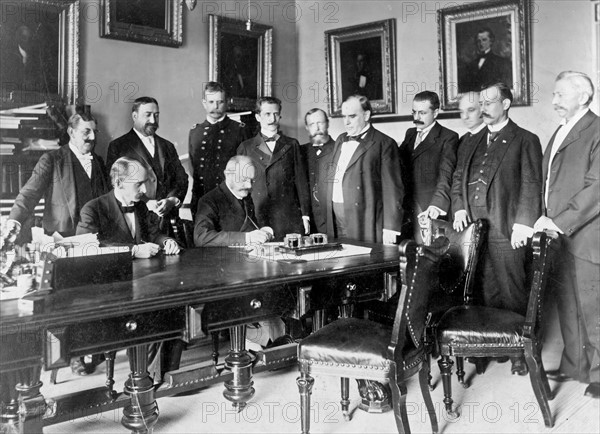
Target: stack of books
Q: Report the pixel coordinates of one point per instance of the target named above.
(27, 129)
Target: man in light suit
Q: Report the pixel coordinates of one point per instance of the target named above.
(501, 182)
(427, 161)
(318, 153)
(364, 189)
(571, 207)
(67, 178)
(281, 194)
(168, 181)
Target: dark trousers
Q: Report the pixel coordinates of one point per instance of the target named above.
(340, 220)
(575, 284)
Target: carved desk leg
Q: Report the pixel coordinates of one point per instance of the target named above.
(110, 373)
(141, 414)
(32, 404)
(9, 402)
(239, 389)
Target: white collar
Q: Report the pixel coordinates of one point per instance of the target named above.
(212, 122)
(575, 118)
(120, 200)
(144, 139)
(234, 195)
(78, 153)
(498, 127)
(478, 128)
(425, 131)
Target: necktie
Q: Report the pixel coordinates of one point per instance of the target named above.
(86, 162)
(352, 138)
(418, 139)
(127, 209)
(492, 135)
(269, 139)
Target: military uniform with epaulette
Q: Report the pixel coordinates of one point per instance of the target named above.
(210, 147)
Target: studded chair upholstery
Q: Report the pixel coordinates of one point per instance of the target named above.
(359, 348)
(479, 331)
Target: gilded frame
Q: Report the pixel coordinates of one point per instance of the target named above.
(64, 15)
(139, 29)
(249, 83)
(460, 68)
(371, 50)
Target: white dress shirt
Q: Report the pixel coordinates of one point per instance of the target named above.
(84, 159)
(148, 142)
(347, 151)
(423, 134)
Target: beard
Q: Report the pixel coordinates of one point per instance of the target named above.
(150, 128)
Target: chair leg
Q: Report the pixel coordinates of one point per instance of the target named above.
(53, 376)
(345, 402)
(480, 363)
(539, 389)
(460, 371)
(399, 403)
(305, 383)
(429, 377)
(424, 375)
(110, 372)
(215, 345)
(545, 382)
(445, 364)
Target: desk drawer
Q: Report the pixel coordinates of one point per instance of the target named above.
(112, 333)
(248, 308)
(337, 290)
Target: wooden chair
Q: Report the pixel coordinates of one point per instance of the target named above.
(359, 348)
(478, 331)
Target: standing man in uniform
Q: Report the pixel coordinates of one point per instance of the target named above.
(501, 182)
(212, 143)
(281, 193)
(318, 153)
(364, 186)
(168, 180)
(571, 208)
(427, 161)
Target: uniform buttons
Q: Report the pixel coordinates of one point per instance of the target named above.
(202, 177)
(202, 165)
(201, 158)
(218, 147)
(220, 140)
(204, 142)
(481, 171)
(476, 197)
(485, 155)
(205, 133)
(206, 128)
(222, 132)
(477, 189)
(355, 203)
(358, 187)
(203, 148)
(483, 164)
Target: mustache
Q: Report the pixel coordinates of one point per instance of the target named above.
(418, 122)
(318, 133)
(485, 115)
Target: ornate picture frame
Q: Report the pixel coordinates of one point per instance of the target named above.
(241, 60)
(485, 42)
(49, 30)
(362, 60)
(155, 22)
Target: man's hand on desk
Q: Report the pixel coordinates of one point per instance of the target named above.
(145, 250)
(171, 247)
(163, 206)
(389, 236)
(259, 236)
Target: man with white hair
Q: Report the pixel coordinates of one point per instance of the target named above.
(571, 172)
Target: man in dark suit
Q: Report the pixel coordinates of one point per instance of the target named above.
(501, 182)
(120, 218)
(281, 194)
(225, 214)
(318, 153)
(571, 196)
(487, 67)
(212, 143)
(67, 178)
(427, 162)
(364, 186)
(168, 181)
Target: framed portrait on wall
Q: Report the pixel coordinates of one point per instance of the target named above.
(241, 60)
(39, 41)
(482, 43)
(156, 22)
(362, 60)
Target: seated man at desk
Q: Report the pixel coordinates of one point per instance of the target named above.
(120, 218)
(225, 215)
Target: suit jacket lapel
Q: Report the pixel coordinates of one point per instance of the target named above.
(115, 210)
(546, 159)
(503, 142)
(363, 147)
(429, 141)
(337, 150)
(138, 147)
(67, 180)
(281, 148)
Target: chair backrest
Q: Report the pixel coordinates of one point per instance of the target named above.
(182, 230)
(460, 253)
(418, 272)
(544, 245)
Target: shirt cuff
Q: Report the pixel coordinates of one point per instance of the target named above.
(524, 229)
(441, 211)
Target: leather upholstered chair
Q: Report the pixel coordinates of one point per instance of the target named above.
(479, 331)
(359, 348)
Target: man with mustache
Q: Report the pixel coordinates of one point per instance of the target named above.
(501, 181)
(571, 195)
(212, 143)
(281, 194)
(318, 153)
(427, 161)
(168, 181)
(67, 178)
(225, 214)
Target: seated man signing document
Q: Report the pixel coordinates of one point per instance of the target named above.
(121, 218)
(225, 215)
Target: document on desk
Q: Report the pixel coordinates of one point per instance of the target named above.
(271, 254)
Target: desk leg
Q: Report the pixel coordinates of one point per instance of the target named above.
(31, 403)
(239, 390)
(141, 414)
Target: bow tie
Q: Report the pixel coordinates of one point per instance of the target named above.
(87, 157)
(352, 138)
(269, 139)
(126, 209)
(485, 55)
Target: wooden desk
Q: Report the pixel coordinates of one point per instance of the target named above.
(169, 297)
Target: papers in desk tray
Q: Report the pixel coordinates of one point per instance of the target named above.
(272, 254)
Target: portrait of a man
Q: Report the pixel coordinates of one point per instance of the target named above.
(361, 68)
(150, 13)
(484, 53)
(239, 66)
(29, 45)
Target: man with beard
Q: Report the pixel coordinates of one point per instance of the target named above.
(168, 181)
(427, 161)
(281, 194)
(501, 182)
(318, 154)
(67, 178)
(212, 143)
